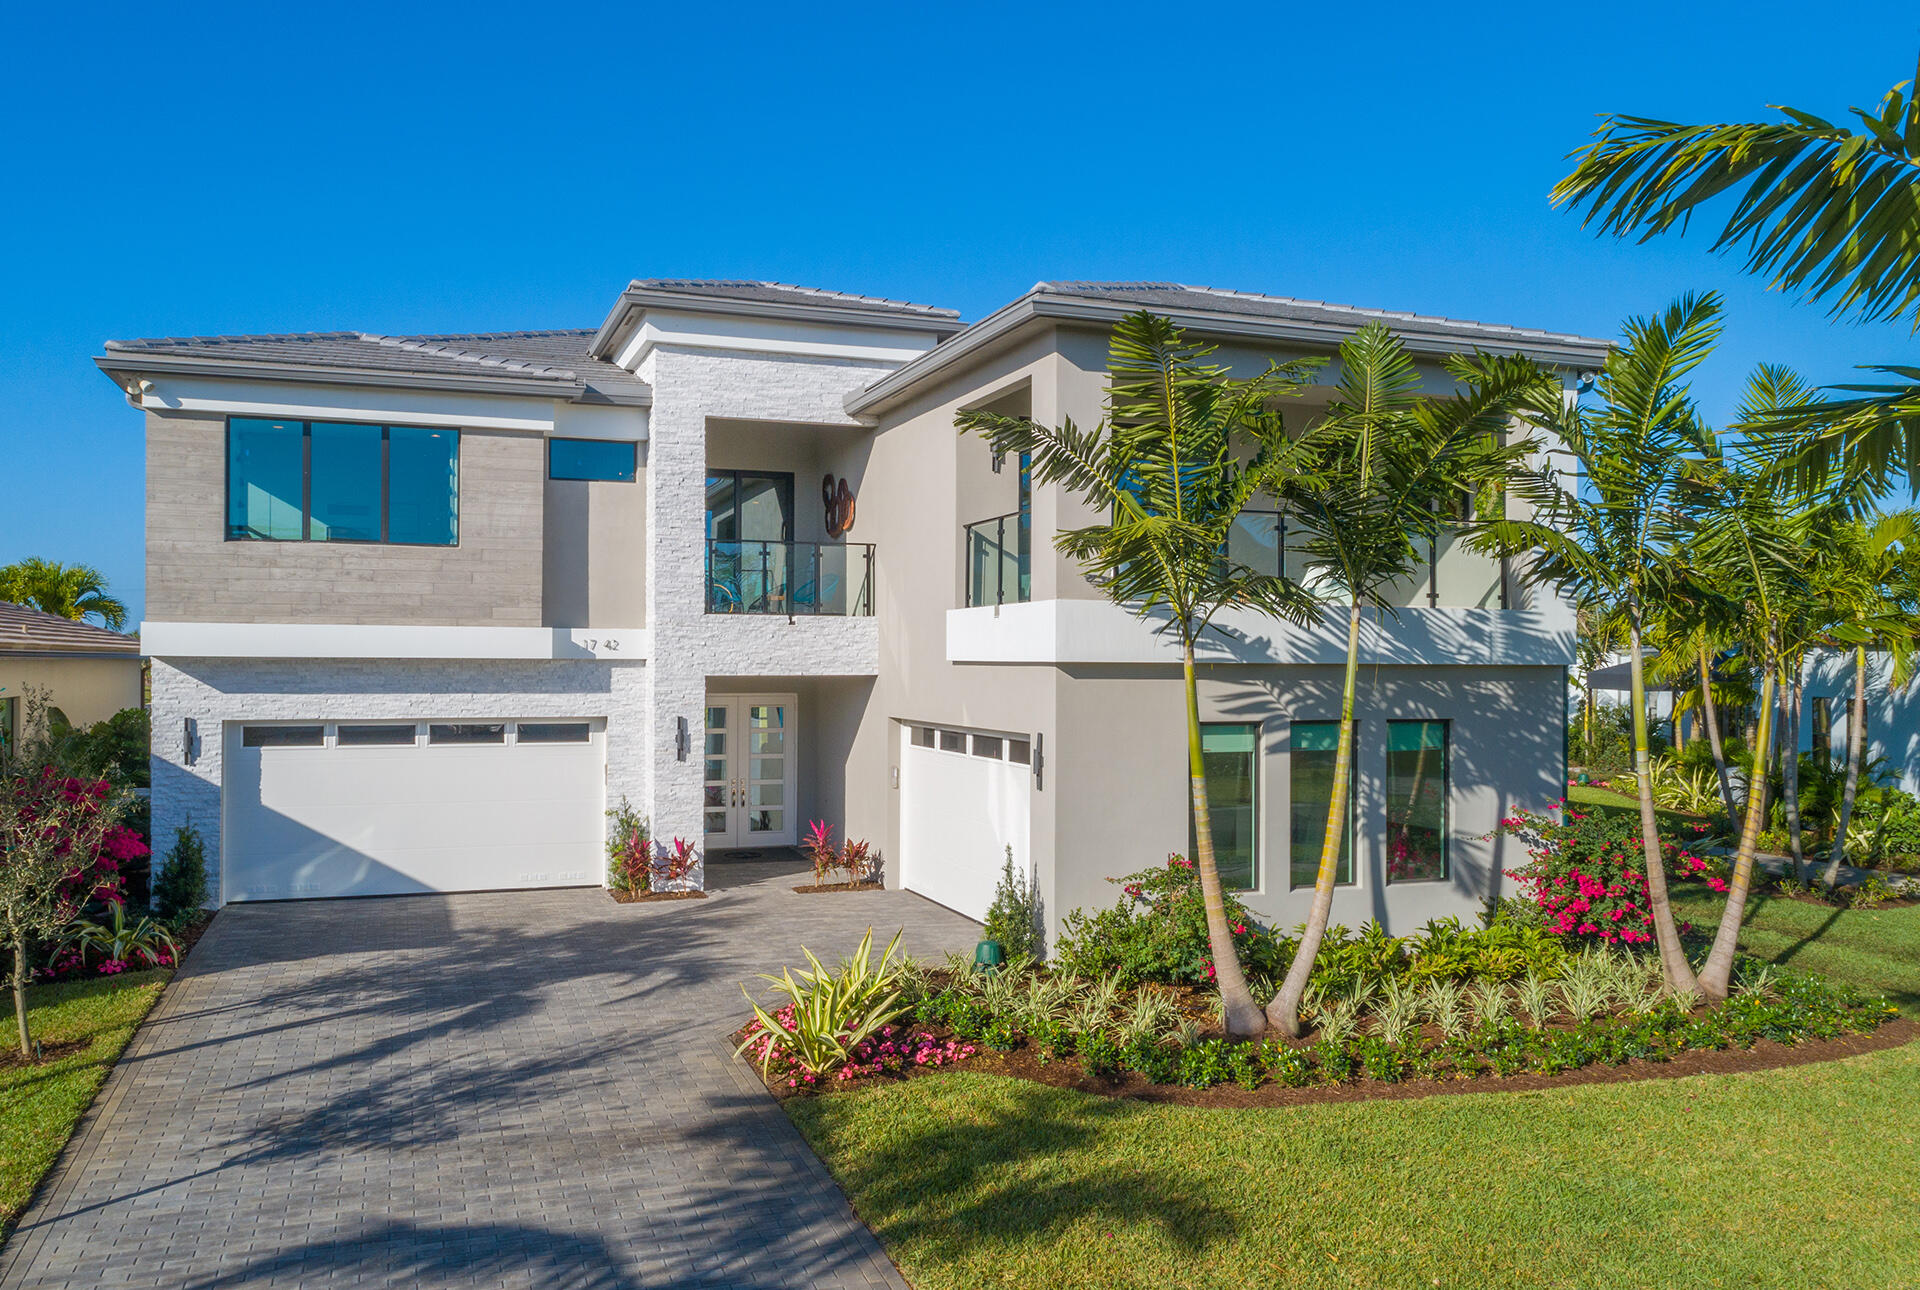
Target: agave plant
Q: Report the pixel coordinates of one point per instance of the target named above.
(143, 942)
(834, 1010)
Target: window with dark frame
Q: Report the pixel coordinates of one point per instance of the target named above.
(1020, 751)
(593, 460)
(1417, 801)
(953, 741)
(986, 746)
(1230, 753)
(923, 736)
(325, 481)
(1313, 747)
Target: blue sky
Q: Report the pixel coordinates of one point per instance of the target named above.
(403, 168)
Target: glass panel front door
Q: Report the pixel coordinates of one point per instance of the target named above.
(748, 781)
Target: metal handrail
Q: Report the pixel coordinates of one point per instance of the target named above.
(767, 576)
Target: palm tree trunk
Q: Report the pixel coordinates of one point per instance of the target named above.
(1712, 711)
(1673, 957)
(1790, 770)
(1244, 1020)
(1284, 1011)
(1856, 748)
(20, 996)
(1716, 977)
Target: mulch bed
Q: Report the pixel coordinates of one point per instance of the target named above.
(190, 936)
(812, 889)
(640, 897)
(49, 1053)
(1024, 1063)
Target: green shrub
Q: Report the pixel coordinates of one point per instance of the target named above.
(181, 886)
(1152, 1057)
(1014, 918)
(114, 750)
(1246, 1067)
(1158, 932)
(1206, 1064)
(1099, 1055)
(629, 850)
(1288, 1066)
(1001, 1034)
(830, 1012)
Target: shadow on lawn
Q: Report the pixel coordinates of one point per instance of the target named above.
(960, 1183)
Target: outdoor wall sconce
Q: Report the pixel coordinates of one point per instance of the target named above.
(190, 737)
(1039, 760)
(680, 745)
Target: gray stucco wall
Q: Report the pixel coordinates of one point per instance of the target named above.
(594, 552)
(492, 578)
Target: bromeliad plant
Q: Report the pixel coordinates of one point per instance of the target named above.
(116, 945)
(671, 865)
(830, 1013)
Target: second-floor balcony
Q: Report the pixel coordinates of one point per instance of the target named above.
(999, 554)
(794, 579)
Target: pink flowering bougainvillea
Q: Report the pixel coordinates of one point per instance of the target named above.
(1587, 873)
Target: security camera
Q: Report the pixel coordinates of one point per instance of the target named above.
(1586, 379)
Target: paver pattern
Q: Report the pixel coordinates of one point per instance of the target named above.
(497, 1089)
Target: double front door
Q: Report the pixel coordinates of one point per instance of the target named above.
(750, 753)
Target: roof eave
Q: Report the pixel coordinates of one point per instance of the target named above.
(1573, 352)
(636, 300)
(137, 363)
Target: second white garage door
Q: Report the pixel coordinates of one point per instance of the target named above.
(965, 797)
(390, 808)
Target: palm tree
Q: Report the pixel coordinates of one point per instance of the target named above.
(1390, 467)
(1609, 540)
(1870, 571)
(1830, 211)
(1170, 465)
(1750, 535)
(69, 590)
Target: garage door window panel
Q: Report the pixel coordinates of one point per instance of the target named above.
(552, 732)
(284, 736)
(381, 736)
(468, 733)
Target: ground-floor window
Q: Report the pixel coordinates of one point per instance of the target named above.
(1416, 801)
(1231, 754)
(1314, 749)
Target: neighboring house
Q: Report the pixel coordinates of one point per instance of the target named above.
(88, 672)
(422, 607)
(1893, 714)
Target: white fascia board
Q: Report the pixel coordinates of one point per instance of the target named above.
(348, 403)
(1098, 631)
(769, 336)
(587, 421)
(383, 641)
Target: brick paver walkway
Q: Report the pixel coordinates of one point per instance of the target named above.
(503, 1089)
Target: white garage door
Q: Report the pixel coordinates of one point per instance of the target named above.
(965, 797)
(388, 808)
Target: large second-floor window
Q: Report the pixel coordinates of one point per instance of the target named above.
(326, 481)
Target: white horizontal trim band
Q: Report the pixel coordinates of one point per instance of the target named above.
(383, 641)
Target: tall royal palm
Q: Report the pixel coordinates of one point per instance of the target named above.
(1389, 466)
(1826, 209)
(1184, 447)
(1608, 538)
(1751, 534)
(69, 590)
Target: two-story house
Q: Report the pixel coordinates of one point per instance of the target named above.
(421, 608)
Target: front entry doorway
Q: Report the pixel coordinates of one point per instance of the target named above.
(750, 755)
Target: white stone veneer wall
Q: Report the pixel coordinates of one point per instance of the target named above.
(689, 387)
(216, 691)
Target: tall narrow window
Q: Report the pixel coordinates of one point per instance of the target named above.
(1230, 754)
(1416, 801)
(344, 484)
(1820, 728)
(1314, 746)
(1023, 552)
(423, 487)
(266, 479)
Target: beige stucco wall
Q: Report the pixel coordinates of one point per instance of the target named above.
(492, 577)
(594, 552)
(86, 689)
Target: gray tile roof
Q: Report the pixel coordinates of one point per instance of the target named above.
(1176, 295)
(560, 358)
(24, 630)
(775, 293)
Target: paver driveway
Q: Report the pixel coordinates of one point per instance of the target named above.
(505, 1089)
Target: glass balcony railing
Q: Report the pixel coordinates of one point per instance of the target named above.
(798, 579)
(999, 555)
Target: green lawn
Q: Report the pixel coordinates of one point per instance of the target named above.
(1875, 949)
(1803, 1177)
(39, 1105)
(1606, 801)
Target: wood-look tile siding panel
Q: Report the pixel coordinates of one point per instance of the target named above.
(492, 578)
